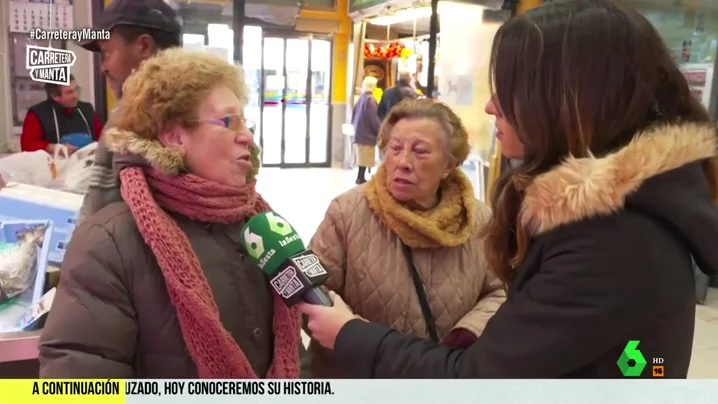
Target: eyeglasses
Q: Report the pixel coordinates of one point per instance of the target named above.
(233, 122)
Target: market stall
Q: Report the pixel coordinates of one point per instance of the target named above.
(451, 65)
(36, 224)
(388, 36)
(379, 46)
(690, 30)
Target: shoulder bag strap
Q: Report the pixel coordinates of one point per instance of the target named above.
(421, 294)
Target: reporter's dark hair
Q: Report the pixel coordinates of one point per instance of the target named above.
(580, 78)
(163, 39)
(54, 89)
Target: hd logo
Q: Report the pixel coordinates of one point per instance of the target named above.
(278, 225)
(253, 244)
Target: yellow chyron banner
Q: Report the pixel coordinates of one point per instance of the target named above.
(62, 391)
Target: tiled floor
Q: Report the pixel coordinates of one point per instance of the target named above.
(302, 196)
(705, 341)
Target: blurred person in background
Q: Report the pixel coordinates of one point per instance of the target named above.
(404, 249)
(401, 91)
(366, 128)
(436, 94)
(594, 231)
(138, 30)
(61, 119)
(417, 75)
(158, 285)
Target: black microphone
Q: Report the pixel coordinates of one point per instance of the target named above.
(294, 272)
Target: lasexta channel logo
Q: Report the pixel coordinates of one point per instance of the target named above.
(278, 225)
(631, 361)
(253, 243)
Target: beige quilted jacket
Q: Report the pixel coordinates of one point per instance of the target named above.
(368, 268)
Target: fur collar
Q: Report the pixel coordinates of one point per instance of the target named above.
(163, 159)
(160, 157)
(581, 188)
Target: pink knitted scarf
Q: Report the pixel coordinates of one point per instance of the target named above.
(214, 351)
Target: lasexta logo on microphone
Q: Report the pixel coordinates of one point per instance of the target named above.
(278, 225)
(253, 244)
(294, 272)
(269, 240)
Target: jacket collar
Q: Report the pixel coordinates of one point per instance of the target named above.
(581, 188)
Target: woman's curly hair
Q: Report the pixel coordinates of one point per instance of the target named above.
(166, 91)
(168, 88)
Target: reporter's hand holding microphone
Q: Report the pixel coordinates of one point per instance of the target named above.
(326, 322)
(295, 274)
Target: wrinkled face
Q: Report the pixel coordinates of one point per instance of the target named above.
(120, 58)
(415, 161)
(218, 149)
(68, 96)
(511, 146)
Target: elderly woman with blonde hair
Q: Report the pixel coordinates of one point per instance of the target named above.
(405, 248)
(157, 285)
(366, 128)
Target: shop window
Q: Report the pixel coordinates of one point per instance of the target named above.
(690, 30)
(24, 16)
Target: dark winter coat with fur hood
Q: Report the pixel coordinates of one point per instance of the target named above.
(610, 262)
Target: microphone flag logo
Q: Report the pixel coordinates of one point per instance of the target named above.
(286, 283)
(253, 244)
(278, 225)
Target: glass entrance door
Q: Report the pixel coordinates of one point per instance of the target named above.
(271, 131)
(292, 85)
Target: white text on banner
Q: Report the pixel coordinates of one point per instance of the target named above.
(634, 391)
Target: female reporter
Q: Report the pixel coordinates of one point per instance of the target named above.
(404, 249)
(157, 286)
(595, 230)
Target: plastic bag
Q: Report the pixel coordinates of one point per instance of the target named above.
(74, 174)
(33, 168)
(60, 157)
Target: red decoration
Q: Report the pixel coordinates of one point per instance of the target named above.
(389, 51)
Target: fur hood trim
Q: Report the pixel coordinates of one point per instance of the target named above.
(582, 188)
(164, 159)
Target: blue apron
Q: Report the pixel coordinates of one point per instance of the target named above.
(77, 139)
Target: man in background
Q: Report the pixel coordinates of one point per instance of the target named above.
(392, 96)
(61, 119)
(138, 30)
(417, 76)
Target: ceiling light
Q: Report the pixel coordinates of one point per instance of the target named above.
(410, 14)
